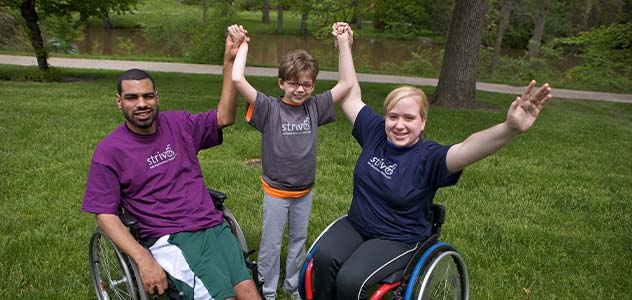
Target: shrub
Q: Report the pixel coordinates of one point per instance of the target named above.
(421, 65)
(172, 35)
(180, 36)
(516, 70)
(599, 77)
(33, 74)
(208, 44)
(12, 35)
(61, 35)
(403, 16)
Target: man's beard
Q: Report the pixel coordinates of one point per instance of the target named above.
(142, 124)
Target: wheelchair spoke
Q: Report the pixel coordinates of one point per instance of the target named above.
(118, 286)
(443, 277)
(444, 281)
(114, 282)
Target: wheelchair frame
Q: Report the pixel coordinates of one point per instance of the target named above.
(115, 275)
(420, 277)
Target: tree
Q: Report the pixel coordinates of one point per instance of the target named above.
(457, 80)
(279, 17)
(281, 6)
(29, 13)
(204, 12)
(326, 12)
(356, 20)
(265, 12)
(503, 21)
(538, 30)
(402, 16)
(86, 9)
(303, 8)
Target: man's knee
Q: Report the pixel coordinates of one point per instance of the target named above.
(247, 290)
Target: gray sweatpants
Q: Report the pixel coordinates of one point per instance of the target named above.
(276, 212)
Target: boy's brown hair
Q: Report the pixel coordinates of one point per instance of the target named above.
(296, 63)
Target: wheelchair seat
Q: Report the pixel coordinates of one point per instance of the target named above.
(115, 275)
(435, 271)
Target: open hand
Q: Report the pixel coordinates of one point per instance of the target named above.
(525, 109)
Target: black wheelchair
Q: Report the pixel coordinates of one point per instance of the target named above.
(115, 275)
(435, 271)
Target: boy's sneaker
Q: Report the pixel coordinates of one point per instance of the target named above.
(295, 296)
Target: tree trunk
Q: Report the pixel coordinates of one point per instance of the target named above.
(457, 81)
(304, 22)
(503, 21)
(279, 18)
(357, 17)
(204, 12)
(83, 19)
(265, 10)
(538, 30)
(107, 23)
(27, 9)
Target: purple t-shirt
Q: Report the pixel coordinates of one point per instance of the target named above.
(156, 178)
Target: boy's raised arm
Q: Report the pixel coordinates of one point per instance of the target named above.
(351, 103)
(346, 71)
(238, 75)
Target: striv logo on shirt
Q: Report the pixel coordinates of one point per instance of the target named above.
(288, 128)
(379, 165)
(161, 158)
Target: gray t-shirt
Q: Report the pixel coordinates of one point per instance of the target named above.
(289, 138)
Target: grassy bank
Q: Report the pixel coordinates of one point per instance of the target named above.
(548, 217)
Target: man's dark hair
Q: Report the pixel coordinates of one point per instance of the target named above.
(134, 74)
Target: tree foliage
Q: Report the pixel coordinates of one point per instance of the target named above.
(611, 44)
(404, 16)
(187, 37)
(32, 9)
(12, 36)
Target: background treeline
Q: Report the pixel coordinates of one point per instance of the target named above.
(581, 44)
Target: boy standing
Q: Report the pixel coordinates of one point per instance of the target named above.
(288, 151)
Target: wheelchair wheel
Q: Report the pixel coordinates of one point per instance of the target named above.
(439, 274)
(235, 228)
(114, 274)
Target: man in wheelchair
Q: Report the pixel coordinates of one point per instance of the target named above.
(148, 166)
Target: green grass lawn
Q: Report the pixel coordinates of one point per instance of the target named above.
(548, 217)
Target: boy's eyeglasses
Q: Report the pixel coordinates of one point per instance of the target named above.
(296, 84)
(146, 96)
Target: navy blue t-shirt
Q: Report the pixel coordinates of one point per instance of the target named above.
(393, 187)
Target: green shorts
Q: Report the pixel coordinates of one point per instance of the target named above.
(215, 257)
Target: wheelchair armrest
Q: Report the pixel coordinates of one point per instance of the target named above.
(437, 217)
(131, 223)
(218, 198)
(128, 220)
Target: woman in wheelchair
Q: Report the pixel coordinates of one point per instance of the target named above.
(395, 180)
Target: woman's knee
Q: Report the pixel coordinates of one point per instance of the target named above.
(349, 284)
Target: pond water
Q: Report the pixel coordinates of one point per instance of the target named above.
(264, 49)
(268, 49)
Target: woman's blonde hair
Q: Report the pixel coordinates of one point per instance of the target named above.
(404, 92)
